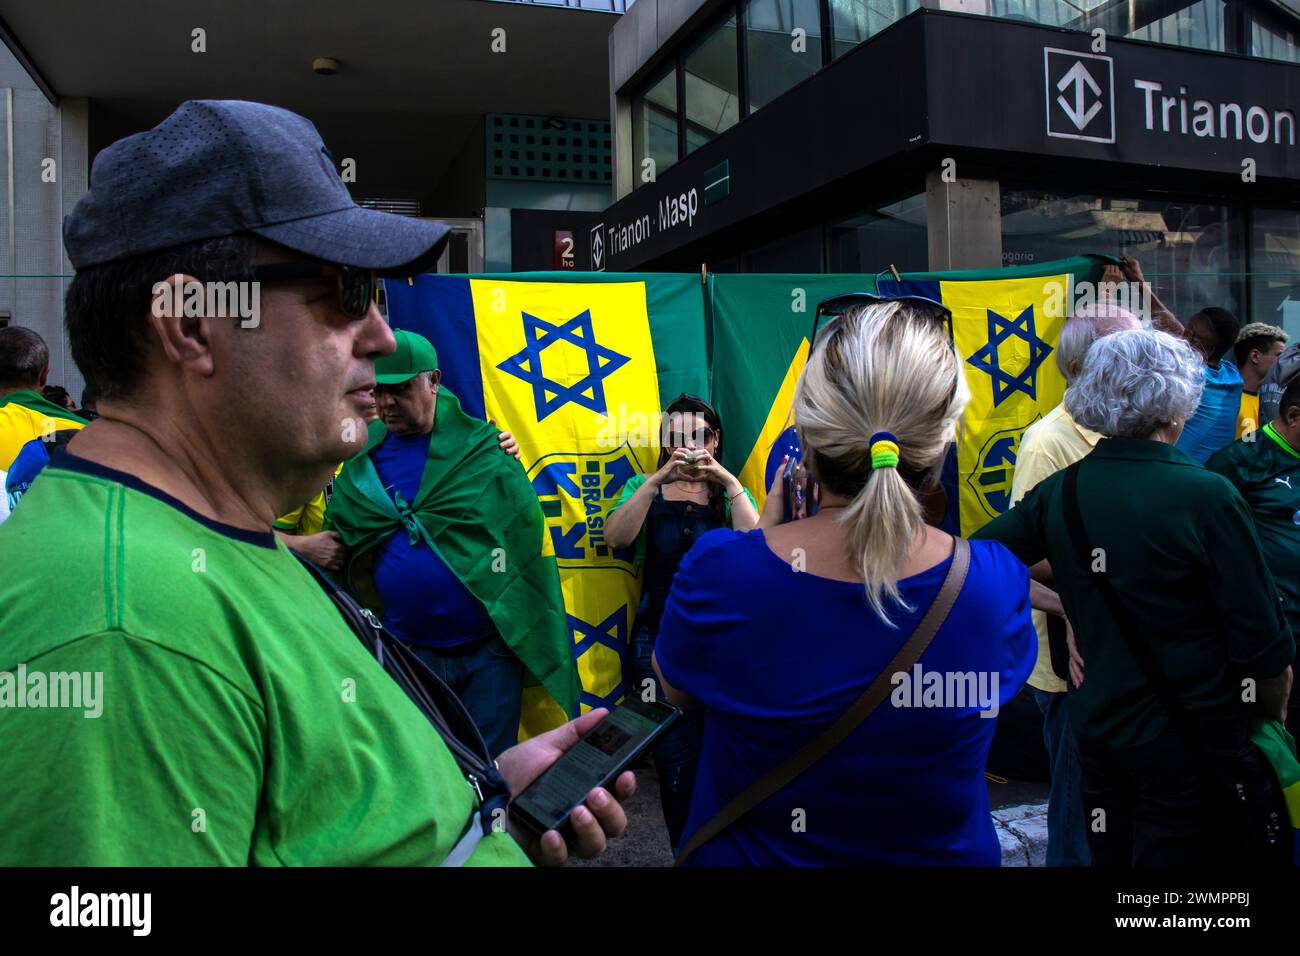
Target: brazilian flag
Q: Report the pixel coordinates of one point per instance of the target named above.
(26, 414)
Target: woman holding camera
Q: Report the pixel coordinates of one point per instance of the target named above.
(664, 513)
(797, 634)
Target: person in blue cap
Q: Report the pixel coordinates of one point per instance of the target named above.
(241, 720)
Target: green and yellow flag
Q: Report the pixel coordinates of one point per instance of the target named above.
(26, 414)
(1006, 323)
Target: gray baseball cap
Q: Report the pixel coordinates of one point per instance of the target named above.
(218, 167)
(1282, 374)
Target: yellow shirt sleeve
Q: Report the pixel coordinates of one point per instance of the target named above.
(313, 515)
(308, 518)
(290, 522)
(1248, 414)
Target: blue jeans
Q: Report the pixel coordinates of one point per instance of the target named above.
(488, 678)
(676, 753)
(1067, 829)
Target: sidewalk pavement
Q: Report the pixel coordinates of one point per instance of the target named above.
(1019, 815)
(1022, 831)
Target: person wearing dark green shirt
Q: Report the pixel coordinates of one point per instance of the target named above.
(1177, 544)
(1264, 467)
(176, 689)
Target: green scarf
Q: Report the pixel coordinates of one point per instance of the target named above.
(478, 512)
(38, 403)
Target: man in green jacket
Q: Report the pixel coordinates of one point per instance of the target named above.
(446, 539)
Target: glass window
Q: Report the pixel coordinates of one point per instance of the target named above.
(654, 125)
(1275, 269)
(712, 86)
(1199, 25)
(1274, 43)
(1193, 253)
(891, 235)
(1194, 23)
(777, 58)
(853, 21)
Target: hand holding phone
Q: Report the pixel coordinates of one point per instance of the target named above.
(603, 753)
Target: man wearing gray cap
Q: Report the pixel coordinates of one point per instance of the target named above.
(197, 698)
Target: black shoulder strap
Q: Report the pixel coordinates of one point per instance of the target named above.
(880, 688)
(428, 692)
(1137, 647)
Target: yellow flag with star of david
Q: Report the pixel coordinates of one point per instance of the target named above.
(577, 367)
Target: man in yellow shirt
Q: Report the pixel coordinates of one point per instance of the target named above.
(1048, 445)
(1258, 346)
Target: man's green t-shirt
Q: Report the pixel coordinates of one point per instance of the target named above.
(1266, 471)
(239, 720)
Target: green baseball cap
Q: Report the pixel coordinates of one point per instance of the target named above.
(415, 354)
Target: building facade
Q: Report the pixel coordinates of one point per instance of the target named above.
(470, 112)
(847, 136)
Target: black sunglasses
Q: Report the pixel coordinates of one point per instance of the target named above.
(836, 306)
(355, 286)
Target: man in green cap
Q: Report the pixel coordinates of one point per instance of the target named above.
(446, 540)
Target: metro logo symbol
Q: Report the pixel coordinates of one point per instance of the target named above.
(1080, 92)
(598, 248)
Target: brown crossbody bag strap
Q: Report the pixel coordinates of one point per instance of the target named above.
(832, 736)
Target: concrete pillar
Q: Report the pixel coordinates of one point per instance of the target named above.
(624, 161)
(964, 220)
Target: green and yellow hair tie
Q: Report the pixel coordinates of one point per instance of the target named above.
(884, 450)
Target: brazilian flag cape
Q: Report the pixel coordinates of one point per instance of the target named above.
(26, 414)
(476, 509)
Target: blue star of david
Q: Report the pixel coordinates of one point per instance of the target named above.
(986, 359)
(612, 633)
(548, 394)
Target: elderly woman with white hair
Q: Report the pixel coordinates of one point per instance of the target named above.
(1174, 611)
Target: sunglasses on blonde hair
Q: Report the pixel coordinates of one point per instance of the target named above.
(835, 307)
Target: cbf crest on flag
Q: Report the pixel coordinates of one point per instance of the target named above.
(579, 366)
(575, 367)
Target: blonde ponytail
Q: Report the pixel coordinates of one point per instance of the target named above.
(885, 367)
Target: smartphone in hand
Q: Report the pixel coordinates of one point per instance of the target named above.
(594, 761)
